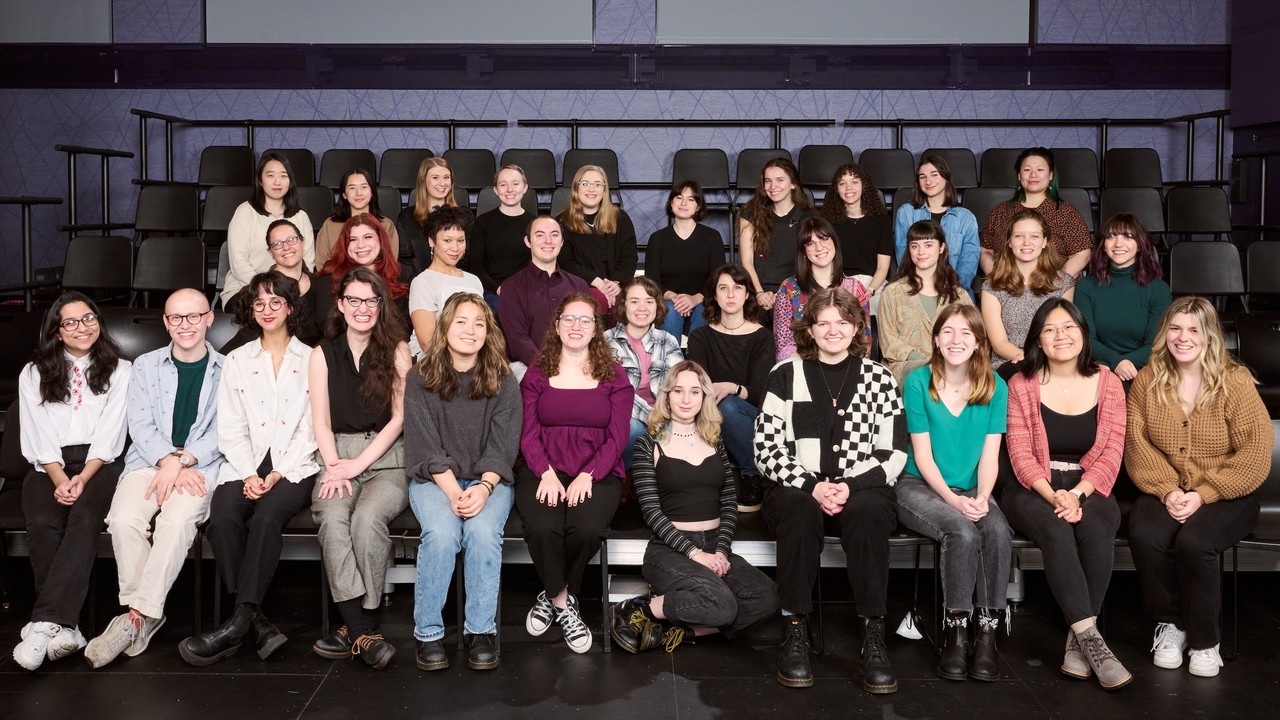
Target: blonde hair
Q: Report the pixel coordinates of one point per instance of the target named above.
(709, 418)
(1216, 364)
(981, 377)
(574, 218)
(421, 198)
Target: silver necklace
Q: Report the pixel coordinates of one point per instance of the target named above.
(835, 398)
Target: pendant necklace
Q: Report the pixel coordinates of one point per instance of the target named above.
(686, 436)
(835, 398)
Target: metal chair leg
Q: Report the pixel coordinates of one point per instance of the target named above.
(604, 595)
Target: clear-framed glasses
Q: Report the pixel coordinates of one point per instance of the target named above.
(70, 324)
(818, 240)
(274, 303)
(357, 302)
(590, 185)
(284, 242)
(191, 318)
(585, 321)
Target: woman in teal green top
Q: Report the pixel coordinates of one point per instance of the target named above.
(956, 408)
(1123, 298)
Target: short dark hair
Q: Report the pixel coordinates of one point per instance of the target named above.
(1033, 358)
(446, 217)
(276, 283)
(698, 197)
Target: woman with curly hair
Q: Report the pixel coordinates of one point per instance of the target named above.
(767, 229)
(685, 486)
(462, 416)
(285, 245)
(599, 238)
(855, 208)
(71, 400)
(1198, 447)
(356, 382)
(577, 415)
(267, 440)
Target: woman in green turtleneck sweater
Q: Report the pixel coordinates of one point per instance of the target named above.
(1123, 297)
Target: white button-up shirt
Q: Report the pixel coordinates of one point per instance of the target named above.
(85, 419)
(260, 411)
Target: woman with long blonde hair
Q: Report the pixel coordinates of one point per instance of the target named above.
(599, 238)
(1199, 446)
(687, 494)
(433, 189)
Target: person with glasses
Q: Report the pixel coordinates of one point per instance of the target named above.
(818, 265)
(447, 230)
(599, 236)
(577, 414)
(285, 245)
(169, 470)
(1123, 297)
(362, 243)
(535, 292)
(357, 409)
(359, 197)
(275, 197)
(265, 434)
(71, 407)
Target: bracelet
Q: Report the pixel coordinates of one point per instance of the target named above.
(738, 391)
(694, 553)
(487, 486)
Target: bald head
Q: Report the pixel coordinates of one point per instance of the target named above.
(186, 298)
(187, 317)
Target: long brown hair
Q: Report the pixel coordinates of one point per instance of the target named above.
(421, 198)
(949, 197)
(758, 212)
(982, 379)
(813, 228)
(599, 355)
(945, 279)
(1044, 278)
(574, 219)
(378, 363)
(436, 366)
(850, 310)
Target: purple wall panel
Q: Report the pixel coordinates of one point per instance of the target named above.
(157, 21)
(1143, 22)
(626, 22)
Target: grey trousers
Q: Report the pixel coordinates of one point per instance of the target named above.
(354, 539)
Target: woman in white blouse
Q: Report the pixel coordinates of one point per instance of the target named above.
(72, 408)
(265, 434)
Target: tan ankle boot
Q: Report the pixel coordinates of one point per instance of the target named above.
(1111, 674)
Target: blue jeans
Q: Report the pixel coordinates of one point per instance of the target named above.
(637, 429)
(676, 324)
(739, 429)
(492, 300)
(443, 535)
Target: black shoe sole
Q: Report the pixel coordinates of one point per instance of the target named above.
(380, 663)
(984, 678)
(201, 660)
(952, 676)
(795, 682)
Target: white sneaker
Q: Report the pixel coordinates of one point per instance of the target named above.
(576, 634)
(1169, 645)
(540, 616)
(67, 642)
(30, 653)
(149, 627)
(1205, 663)
(120, 634)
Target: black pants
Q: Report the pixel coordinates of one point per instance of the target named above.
(247, 535)
(563, 539)
(1177, 563)
(1078, 558)
(800, 526)
(62, 540)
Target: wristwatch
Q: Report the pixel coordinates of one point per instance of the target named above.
(1077, 492)
(185, 459)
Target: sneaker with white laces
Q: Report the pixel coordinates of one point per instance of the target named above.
(576, 634)
(540, 616)
(148, 630)
(1205, 663)
(67, 642)
(30, 653)
(1169, 645)
(120, 634)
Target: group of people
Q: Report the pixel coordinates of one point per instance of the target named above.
(358, 396)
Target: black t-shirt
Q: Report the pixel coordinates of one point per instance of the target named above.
(495, 248)
(862, 240)
(683, 265)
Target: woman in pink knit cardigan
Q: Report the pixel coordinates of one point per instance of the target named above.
(1066, 441)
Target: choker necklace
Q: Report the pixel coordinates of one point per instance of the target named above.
(835, 398)
(725, 325)
(692, 434)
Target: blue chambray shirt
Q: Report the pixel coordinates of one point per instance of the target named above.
(152, 390)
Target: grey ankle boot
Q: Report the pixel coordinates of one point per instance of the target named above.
(1111, 674)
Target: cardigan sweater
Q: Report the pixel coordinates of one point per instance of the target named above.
(645, 483)
(1029, 444)
(1222, 452)
(867, 449)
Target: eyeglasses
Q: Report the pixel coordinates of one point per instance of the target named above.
(284, 243)
(585, 321)
(589, 185)
(191, 318)
(356, 303)
(274, 303)
(72, 323)
(818, 240)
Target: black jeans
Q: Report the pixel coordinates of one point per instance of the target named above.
(1177, 563)
(800, 526)
(694, 596)
(62, 540)
(563, 539)
(247, 535)
(1078, 558)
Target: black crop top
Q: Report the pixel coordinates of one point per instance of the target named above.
(1070, 436)
(688, 492)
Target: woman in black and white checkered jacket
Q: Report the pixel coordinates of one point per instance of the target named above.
(832, 437)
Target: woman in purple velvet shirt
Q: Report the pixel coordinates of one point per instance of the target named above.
(577, 417)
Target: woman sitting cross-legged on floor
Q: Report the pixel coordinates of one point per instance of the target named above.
(687, 495)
